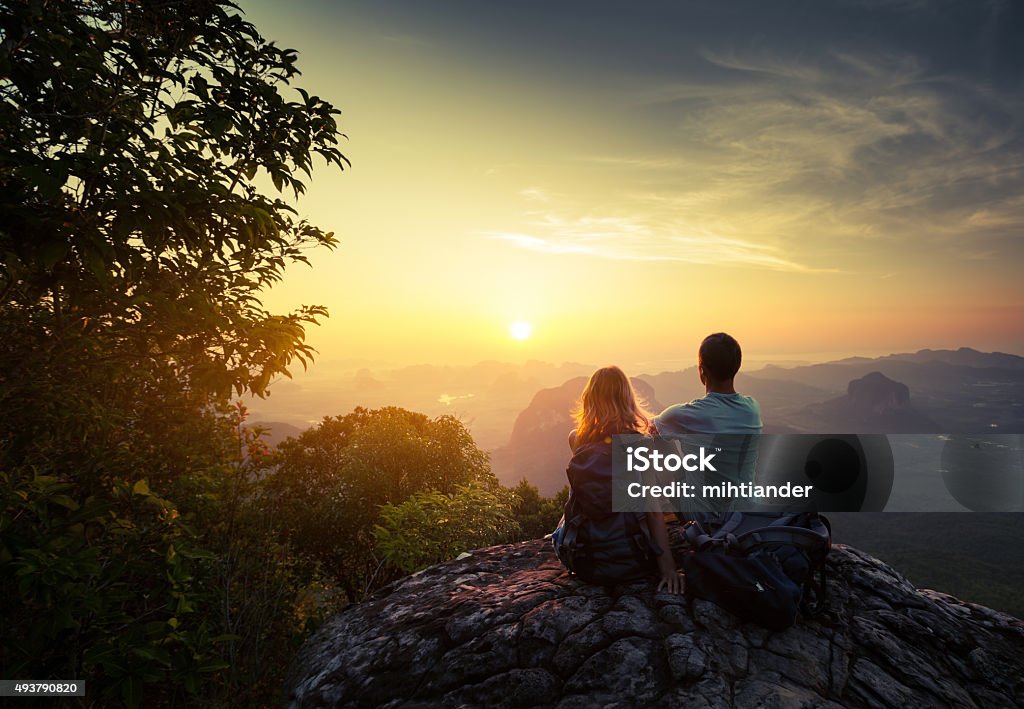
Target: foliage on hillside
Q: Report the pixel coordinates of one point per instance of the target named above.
(327, 486)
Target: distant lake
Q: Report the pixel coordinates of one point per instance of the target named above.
(447, 399)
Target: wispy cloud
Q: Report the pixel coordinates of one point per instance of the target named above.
(805, 150)
(627, 239)
(547, 246)
(535, 194)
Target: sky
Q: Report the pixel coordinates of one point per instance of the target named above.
(817, 178)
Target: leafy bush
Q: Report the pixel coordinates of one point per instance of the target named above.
(111, 582)
(431, 526)
(103, 587)
(536, 516)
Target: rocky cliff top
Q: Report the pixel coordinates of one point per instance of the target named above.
(507, 626)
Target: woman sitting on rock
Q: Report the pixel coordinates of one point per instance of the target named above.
(599, 545)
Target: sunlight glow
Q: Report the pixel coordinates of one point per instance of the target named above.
(520, 330)
(576, 237)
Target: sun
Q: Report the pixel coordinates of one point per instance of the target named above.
(520, 330)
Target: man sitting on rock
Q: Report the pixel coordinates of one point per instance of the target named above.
(722, 410)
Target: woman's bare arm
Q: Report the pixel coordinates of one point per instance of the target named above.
(671, 580)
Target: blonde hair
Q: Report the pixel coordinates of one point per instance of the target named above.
(609, 405)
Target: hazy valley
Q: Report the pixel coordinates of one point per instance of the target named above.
(521, 415)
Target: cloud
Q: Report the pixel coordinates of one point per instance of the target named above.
(535, 194)
(765, 62)
(806, 150)
(536, 243)
(865, 136)
(817, 159)
(626, 239)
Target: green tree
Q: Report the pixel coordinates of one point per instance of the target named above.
(329, 484)
(150, 154)
(131, 139)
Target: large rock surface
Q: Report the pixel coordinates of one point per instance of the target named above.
(508, 626)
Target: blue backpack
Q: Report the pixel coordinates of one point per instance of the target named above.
(593, 542)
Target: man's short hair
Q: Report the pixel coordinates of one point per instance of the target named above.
(720, 356)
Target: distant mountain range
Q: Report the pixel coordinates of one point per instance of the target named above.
(965, 356)
(962, 391)
(930, 391)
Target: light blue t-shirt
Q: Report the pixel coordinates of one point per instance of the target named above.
(714, 414)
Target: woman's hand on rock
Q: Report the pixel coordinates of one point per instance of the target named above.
(674, 582)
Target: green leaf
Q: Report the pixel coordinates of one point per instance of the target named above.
(213, 666)
(64, 501)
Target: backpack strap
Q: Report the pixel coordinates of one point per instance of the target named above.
(640, 535)
(785, 520)
(821, 593)
(800, 537)
(695, 535)
(828, 527)
(730, 524)
(572, 528)
(699, 538)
